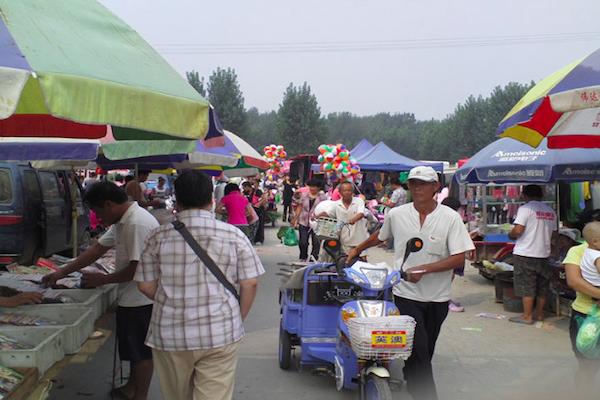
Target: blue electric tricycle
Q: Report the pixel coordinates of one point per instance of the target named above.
(343, 321)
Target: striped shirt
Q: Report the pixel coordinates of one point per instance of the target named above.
(192, 309)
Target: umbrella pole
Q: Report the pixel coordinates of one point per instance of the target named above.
(74, 215)
(558, 218)
(136, 171)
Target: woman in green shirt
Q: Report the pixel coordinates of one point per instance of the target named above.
(586, 293)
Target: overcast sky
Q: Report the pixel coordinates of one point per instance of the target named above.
(369, 56)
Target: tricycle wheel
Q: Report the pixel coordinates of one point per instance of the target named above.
(377, 388)
(285, 348)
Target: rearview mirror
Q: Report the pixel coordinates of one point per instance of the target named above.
(413, 245)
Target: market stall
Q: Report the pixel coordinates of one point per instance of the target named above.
(491, 183)
(33, 338)
(71, 70)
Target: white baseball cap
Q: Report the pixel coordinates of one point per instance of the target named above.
(423, 173)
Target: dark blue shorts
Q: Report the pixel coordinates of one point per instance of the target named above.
(132, 328)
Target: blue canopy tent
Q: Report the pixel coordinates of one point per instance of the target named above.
(361, 148)
(382, 158)
(509, 161)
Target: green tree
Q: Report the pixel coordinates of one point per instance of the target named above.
(225, 95)
(196, 81)
(470, 127)
(262, 128)
(299, 124)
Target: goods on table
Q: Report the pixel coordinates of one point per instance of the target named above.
(54, 297)
(9, 379)
(6, 291)
(28, 270)
(50, 296)
(498, 266)
(60, 260)
(7, 343)
(24, 320)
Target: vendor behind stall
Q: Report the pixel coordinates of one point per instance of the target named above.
(130, 226)
(534, 225)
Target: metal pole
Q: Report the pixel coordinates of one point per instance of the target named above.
(74, 216)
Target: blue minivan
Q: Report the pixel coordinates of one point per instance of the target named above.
(36, 210)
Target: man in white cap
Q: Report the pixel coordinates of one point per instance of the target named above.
(426, 292)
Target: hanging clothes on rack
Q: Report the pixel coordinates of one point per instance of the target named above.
(577, 201)
(595, 192)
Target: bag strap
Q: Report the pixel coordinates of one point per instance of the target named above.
(206, 259)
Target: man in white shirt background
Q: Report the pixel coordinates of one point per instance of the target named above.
(534, 225)
(350, 210)
(425, 294)
(130, 225)
(220, 184)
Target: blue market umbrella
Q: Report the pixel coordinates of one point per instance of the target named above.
(510, 161)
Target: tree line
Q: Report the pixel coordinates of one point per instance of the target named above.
(299, 125)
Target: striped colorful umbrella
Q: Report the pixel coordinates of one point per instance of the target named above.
(249, 161)
(69, 68)
(564, 107)
(152, 154)
(235, 154)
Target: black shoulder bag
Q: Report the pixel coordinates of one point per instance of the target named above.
(203, 255)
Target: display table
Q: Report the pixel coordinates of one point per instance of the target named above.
(26, 387)
(486, 250)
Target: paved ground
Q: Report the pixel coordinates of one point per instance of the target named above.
(476, 358)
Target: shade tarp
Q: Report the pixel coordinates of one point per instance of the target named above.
(510, 161)
(68, 68)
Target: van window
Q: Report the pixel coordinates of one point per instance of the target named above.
(5, 186)
(49, 185)
(74, 182)
(62, 188)
(31, 186)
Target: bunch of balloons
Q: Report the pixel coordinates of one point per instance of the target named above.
(336, 160)
(275, 156)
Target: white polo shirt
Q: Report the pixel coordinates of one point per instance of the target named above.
(443, 234)
(128, 236)
(351, 235)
